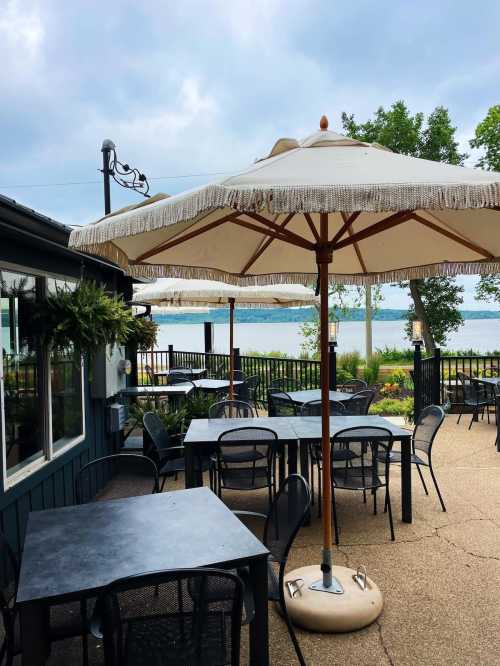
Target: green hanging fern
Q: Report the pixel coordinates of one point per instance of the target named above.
(82, 320)
(143, 334)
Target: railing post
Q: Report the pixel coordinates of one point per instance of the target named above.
(208, 330)
(436, 378)
(237, 358)
(417, 381)
(332, 360)
(171, 356)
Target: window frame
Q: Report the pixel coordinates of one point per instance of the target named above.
(48, 454)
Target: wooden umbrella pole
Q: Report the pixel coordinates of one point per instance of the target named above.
(324, 258)
(231, 348)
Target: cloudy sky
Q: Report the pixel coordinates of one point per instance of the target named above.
(189, 88)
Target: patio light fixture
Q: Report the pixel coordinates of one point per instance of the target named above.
(123, 174)
(417, 331)
(333, 331)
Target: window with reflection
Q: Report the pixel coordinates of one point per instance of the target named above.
(65, 388)
(24, 371)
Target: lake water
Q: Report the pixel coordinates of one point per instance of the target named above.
(480, 334)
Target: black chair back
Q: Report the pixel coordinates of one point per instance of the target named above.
(230, 409)
(285, 384)
(238, 469)
(313, 408)
(426, 428)
(115, 477)
(359, 403)
(354, 386)
(280, 403)
(173, 618)
(151, 375)
(370, 467)
(286, 516)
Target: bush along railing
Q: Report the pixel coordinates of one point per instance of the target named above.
(305, 372)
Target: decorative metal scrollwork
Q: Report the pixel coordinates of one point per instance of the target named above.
(126, 176)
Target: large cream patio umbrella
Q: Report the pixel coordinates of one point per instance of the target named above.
(217, 294)
(349, 211)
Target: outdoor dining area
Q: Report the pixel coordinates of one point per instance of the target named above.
(303, 530)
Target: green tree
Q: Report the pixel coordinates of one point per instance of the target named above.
(438, 300)
(432, 139)
(487, 138)
(488, 288)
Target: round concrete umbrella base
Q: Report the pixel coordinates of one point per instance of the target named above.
(332, 613)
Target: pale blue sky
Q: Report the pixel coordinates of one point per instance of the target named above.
(201, 87)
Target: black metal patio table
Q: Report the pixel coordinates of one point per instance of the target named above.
(215, 385)
(306, 395)
(193, 373)
(156, 391)
(74, 552)
(293, 430)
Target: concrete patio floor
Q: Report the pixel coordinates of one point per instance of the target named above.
(440, 578)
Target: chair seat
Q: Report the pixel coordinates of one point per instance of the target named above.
(395, 457)
(468, 402)
(337, 455)
(242, 456)
(353, 478)
(246, 478)
(179, 465)
(168, 640)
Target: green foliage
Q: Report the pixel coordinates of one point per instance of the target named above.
(82, 319)
(399, 376)
(350, 362)
(393, 407)
(173, 420)
(488, 288)
(197, 406)
(441, 297)
(372, 368)
(343, 376)
(393, 355)
(433, 139)
(143, 334)
(487, 138)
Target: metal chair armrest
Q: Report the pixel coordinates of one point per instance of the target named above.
(251, 514)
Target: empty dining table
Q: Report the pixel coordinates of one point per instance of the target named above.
(308, 395)
(73, 553)
(192, 373)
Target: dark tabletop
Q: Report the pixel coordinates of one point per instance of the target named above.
(493, 381)
(214, 384)
(208, 430)
(288, 428)
(300, 397)
(185, 371)
(176, 389)
(83, 548)
(309, 427)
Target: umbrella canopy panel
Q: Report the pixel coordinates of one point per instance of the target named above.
(391, 217)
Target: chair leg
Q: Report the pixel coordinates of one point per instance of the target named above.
(335, 520)
(422, 478)
(437, 488)
(460, 415)
(374, 491)
(475, 414)
(163, 483)
(389, 510)
(291, 632)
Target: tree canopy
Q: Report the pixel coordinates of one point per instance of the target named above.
(487, 138)
(435, 300)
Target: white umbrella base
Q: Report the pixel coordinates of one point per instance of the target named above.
(332, 613)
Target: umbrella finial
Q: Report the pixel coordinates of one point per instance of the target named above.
(323, 123)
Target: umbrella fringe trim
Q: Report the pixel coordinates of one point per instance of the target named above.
(448, 269)
(300, 199)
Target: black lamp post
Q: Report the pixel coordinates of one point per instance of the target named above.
(123, 174)
(416, 335)
(333, 331)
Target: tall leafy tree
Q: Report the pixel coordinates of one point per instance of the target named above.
(432, 139)
(487, 139)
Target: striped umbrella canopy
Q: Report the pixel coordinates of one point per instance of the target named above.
(348, 211)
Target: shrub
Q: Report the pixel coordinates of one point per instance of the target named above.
(390, 389)
(343, 376)
(370, 373)
(399, 377)
(393, 355)
(350, 362)
(393, 407)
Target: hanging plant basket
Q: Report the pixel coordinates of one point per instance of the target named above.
(83, 320)
(143, 334)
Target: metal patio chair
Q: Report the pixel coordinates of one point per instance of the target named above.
(368, 472)
(246, 460)
(430, 420)
(285, 384)
(128, 475)
(280, 403)
(475, 398)
(354, 386)
(171, 618)
(359, 403)
(235, 409)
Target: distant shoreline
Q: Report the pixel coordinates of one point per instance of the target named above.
(288, 315)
